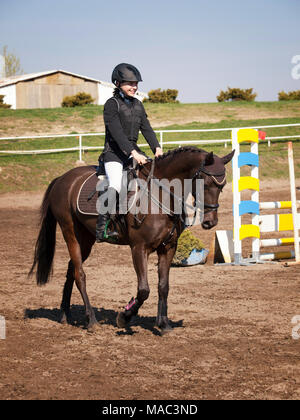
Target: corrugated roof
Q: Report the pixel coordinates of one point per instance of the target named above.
(16, 79)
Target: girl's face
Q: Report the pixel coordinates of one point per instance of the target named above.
(129, 88)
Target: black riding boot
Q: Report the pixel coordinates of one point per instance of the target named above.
(102, 232)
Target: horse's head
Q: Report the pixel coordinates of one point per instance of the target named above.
(213, 173)
(190, 163)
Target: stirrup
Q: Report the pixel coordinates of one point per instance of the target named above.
(104, 236)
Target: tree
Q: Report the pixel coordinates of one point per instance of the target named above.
(2, 104)
(80, 99)
(236, 94)
(162, 96)
(12, 63)
(289, 96)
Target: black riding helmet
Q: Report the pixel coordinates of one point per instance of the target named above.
(125, 73)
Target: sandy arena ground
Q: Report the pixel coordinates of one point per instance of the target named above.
(232, 336)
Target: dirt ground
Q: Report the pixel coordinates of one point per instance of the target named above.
(232, 336)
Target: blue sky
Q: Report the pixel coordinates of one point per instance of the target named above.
(198, 47)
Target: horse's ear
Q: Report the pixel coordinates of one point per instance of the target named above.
(227, 158)
(209, 159)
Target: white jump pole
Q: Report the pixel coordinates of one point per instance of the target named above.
(255, 198)
(294, 201)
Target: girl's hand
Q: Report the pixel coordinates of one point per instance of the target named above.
(158, 152)
(141, 159)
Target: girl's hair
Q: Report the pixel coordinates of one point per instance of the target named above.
(116, 91)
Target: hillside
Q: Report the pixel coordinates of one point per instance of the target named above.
(90, 118)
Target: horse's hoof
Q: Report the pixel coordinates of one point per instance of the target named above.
(165, 327)
(165, 330)
(64, 320)
(163, 324)
(93, 328)
(121, 320)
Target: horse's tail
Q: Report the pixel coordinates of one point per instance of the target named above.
(45, 244)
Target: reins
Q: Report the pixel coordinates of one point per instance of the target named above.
(202, 169)
(156, 201)
(210, 207)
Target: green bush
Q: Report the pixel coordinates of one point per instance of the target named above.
(162, 96)
(186, 243)
(80, 99)
(289, 96)
(2, 104)
(236, 94)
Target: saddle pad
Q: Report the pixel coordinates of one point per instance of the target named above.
(84, 205)
(87, 196)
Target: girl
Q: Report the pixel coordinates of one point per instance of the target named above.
(124, 117)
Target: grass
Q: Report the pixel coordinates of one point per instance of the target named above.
(158, 113)
(34, 172)
(53, 114)
(97, 141)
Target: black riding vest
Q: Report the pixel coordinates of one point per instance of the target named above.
(130, 118)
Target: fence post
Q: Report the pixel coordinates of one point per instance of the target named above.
(294, 201)
(80, 148)
(161, 139)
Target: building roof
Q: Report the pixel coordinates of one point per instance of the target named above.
(8, 81)
(16, 79)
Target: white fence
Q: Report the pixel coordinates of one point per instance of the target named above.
(81, 148)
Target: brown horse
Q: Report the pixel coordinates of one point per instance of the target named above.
(157, 232)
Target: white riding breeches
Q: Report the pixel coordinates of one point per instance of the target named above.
(114, 172)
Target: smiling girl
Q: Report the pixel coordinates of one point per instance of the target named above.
(124, 117)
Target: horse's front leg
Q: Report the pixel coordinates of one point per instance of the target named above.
(140, 262)
(165, 257)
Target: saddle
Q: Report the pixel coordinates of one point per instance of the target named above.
(94, 186)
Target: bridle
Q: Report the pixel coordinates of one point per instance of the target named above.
(220, 184)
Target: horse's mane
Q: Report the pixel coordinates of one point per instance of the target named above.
(179, 150)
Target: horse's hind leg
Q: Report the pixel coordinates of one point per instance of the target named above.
(65, 304)
(79, 250)
(165, 258)
(86, 247)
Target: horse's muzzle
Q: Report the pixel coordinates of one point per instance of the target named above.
(210, 220)
(208, 224)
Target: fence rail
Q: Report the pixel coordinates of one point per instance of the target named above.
(81, 148)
